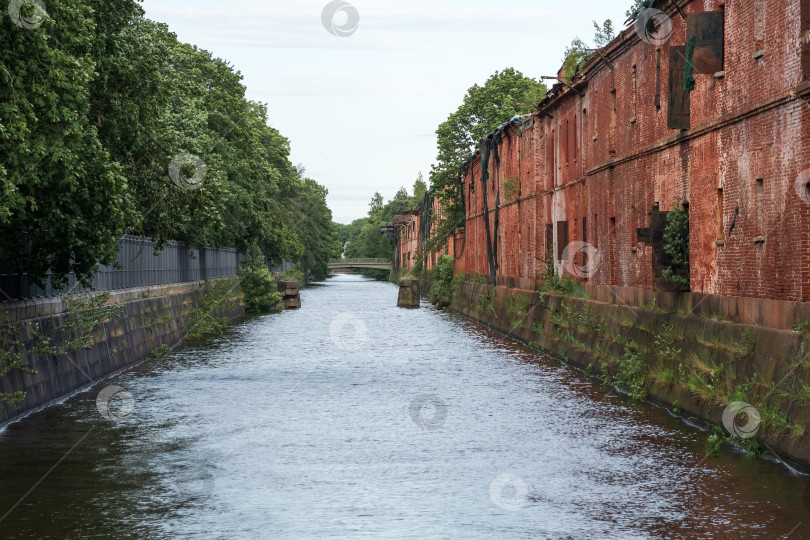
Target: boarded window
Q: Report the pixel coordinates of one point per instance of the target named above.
(562, 238)
(708, 31)
(678, 111)
(549, 240)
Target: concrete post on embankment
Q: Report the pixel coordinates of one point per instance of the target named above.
(408, 293)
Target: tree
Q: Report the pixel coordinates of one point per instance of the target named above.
(64, 202)
(637, 6)
(505, 94)
(376, 202)
(419, 188)
(604, 34)
(96, 103)
(577, 53)
(364, 237)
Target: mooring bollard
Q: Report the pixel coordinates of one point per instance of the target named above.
(408, 293)
(292, 294)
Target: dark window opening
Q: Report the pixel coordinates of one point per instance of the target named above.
(760, 202)
(562, 238)
(721, 234)
(658, 79)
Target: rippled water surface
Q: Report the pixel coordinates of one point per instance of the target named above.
(351, 418)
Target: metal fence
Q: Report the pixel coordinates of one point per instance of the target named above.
(139, 266)
(358, 261)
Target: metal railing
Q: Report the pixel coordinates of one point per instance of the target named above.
(333, 262)
(139, 266)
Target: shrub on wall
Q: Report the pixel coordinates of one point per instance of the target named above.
(296, 273)
(259, 286)
(676, 245)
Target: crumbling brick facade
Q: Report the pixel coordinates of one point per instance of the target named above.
(598, 162)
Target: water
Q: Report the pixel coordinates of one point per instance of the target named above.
(352, 418)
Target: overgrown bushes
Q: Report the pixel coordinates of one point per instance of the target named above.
(553, 283)
(442, 286)
(676, 245)
(259, 286)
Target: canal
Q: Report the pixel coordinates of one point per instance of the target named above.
(352, 418)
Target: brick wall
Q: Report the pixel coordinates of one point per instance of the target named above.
(594, 160)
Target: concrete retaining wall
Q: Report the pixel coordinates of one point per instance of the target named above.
(718, 361)
(151, 317)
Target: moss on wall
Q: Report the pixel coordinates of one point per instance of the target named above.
(693, 364)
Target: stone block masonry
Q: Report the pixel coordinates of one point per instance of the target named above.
(152, 317)
(694, 365)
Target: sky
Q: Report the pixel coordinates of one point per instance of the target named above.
(360, 96)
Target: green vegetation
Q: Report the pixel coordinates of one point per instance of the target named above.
(207, 320)
(478, 277)
(577, 53)
(676, 245)
(637, 6)
(12, 352)
(95, 105)
(632, 372)
(259, 286)
(442, 280)
(517, 307)
(552, 283)
(803, 327)
(362, 237)
(296, 273)
(511, 188)
(485, 304)
(504, 95)
(157, 352)
(84, 313)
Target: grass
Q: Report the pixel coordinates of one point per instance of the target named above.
(517, 306)
(803, 327)
(537, 328)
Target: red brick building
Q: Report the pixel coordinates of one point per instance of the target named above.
(590, 175)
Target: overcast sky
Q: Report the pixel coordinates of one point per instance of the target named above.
(361, 110)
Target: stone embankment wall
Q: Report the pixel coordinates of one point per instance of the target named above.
(152, 317)
(689, 360)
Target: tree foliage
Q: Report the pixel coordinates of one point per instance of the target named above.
(258, 285)
(676, 245)
(364, 237)
(94, 105)
(577, 53)
(637, 6)
(505, 94)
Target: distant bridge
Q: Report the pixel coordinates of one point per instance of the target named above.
(351, 264)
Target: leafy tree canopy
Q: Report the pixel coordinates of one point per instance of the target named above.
(505, 94)
(95, 103)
